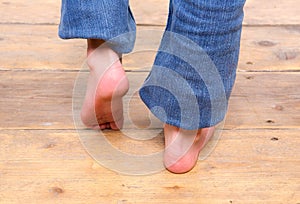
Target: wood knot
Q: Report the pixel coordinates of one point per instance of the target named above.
(122, 201)
(49, 145)
(278, 107)
(3, 86)
(294, 28)
(266, 43)
(174, 187)
(57, 190)
(274, 138)
(287, 54)
(249, 77)
(249, 63)
(270, 121)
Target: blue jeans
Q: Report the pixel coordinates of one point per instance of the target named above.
(195, 68)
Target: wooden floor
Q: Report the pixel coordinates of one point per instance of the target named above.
(257, 159)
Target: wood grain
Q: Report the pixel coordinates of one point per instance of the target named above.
(274, 12)
(38, 47)
(43, 100)
(51, 166)
(30, 12)
(42, 159)
(149, 12)
(270, 49)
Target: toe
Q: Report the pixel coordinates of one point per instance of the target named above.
(102, 126)
(114, 126)
(184, 165)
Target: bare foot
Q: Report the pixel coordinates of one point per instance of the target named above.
(183, 147)
(107, 84)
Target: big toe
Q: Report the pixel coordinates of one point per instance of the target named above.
(179, 168)
(116, 125)
(182, 165)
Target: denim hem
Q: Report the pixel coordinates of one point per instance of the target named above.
(174, 120)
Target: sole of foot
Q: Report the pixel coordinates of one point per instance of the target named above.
(107, 84)
(182, 147)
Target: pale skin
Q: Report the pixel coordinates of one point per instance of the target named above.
(103, 109)
(107, 84)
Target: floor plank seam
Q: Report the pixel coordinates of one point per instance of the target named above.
(57, 24)
(59, 70)
(132, 71)
(152, 25)
(73, 129)
(22, 23)
(268, 71)
(271, 25)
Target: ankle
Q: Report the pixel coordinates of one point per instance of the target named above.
(93, 44)
(102, 58)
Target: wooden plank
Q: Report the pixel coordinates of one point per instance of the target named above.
(38, 47)
(30, 12)
(269, 99)
(51, 166)
(43, 100)
(270, 49)
(150, 12)
(275, 12)
(29, 99)
(153, 12)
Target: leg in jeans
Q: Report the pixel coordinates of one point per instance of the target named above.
(215, 27)
(111, 25)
